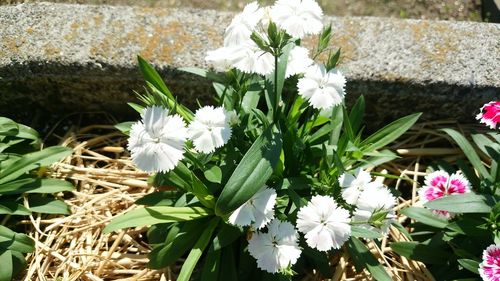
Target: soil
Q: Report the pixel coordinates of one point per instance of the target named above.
(468, 10)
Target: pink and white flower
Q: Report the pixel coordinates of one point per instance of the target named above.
(489, 269)
(439, 184)
(490, 114)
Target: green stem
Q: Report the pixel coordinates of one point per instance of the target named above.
(5, 219)
(277, 97)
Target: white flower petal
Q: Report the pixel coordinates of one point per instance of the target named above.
(375, 199)
(324, 223)
(258, 211)
(298, 61)
(243, 24)
(157, 142)
(210, 129)
(322, 89)
(353, 185)
(276, 249)
(298, 17)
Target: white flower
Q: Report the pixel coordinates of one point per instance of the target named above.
(298, 61)
(324, 223)
(298, 17)
(210, 128)
(243, 24)
(251, 59)
(157, 142)
(353, 185)
(258, 211)
(374, 200)
(277, 249)
(224, 58)
(322, 89)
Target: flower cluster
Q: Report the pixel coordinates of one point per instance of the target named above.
(325, 223)
(439, 184)
(489, 269)
(157, 141)
(490, 114)
(322, 88)
(373, 202)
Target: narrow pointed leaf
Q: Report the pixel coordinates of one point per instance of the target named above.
(468, 150)
(32, 161)
(362, 258)
(425, 216)
(154, 215)
(461, 203)
(390, 133)
(251, 173)
(195, 254)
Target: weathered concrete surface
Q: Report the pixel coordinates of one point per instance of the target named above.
(66, 57)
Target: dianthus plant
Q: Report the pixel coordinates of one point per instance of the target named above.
(271, 180)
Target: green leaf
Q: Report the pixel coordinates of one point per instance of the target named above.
(337, 120)
(363, 258)
(150, 75)
(26, 132)
(32, 161)
(421, 252)
(9, 207)
(183, 177)
(154, 215)
(357, 113)
(389, 133)
(168, 253)
(361, 232)
(425, 216)
(48, 205)
(319, 260)
(195, 254)
(124, 127)
(212, 76)
(470, 265)
(213, 174)
(333, 60)
(6, 268)
(282, 65)
(324, 39)
(251, 173)
(159, 198)
(469, 151)
(35, 185)
(18, 263)
(461, 203)
(226, 235)
(15, 241)
(8, 127)
(210, 270)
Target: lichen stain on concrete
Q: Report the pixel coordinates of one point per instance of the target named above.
(214, 35)
(346, 39)
(12, 43)
(165, 43)
(145, 12)
(440, 41)
(51, 51)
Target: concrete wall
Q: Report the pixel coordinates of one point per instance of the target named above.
(66, 58)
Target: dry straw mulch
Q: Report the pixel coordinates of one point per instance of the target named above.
(107, 184)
